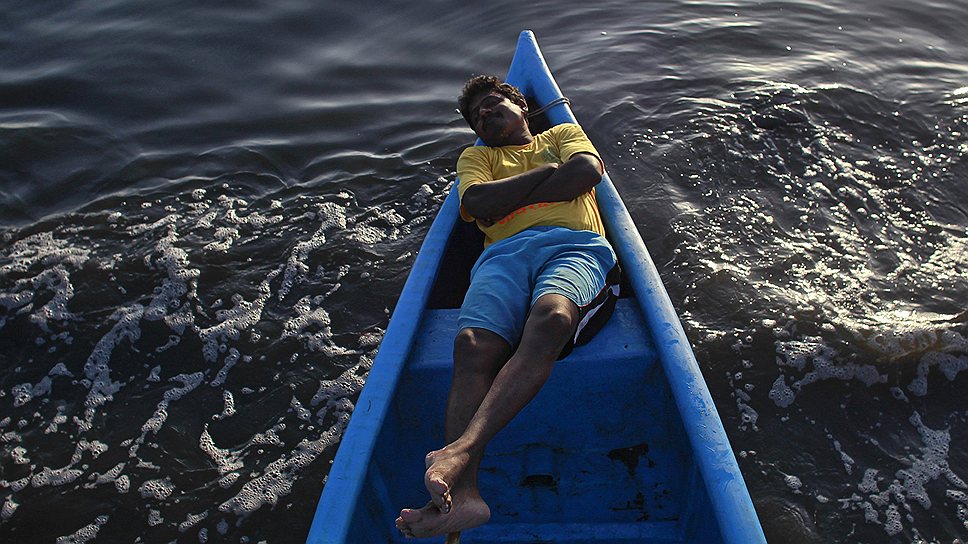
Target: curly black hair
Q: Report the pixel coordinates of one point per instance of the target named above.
(485, 84)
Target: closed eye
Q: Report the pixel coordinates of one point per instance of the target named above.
(487, 102)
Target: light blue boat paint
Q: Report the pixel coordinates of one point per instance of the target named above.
(623, 444)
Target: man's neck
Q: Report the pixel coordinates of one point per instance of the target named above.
(522, 137)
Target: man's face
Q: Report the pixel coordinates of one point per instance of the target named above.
(494, 117)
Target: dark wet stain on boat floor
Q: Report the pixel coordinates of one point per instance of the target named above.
(630, 456)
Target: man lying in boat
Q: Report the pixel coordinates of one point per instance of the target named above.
(547, 280)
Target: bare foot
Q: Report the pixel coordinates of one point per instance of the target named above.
(469, 511)
(443, 471)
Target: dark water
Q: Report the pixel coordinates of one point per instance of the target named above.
(208, 210)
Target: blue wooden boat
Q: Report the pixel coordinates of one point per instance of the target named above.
(623, 444)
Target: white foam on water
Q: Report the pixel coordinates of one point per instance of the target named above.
(950, 364)
(278, 478)
(225, 237)
(189, 383)
(227, 210)
(892, 521)
(158, 489)
(255, 220)
(748, 415)
(226, 461)
(84, 534)
(25, 392)
(241, 316)
(857, 281)
(47, 476)
(123, 484)
(16, 485)
(228, 480)
(10, 437)
(55, 477)
(348, 384)
(332, 216)
(909, 483)
(154, 517)
(9, 508)
(365, 232)
(108, 477)
(94, 447)
(846, 459)
(56, 280)
(818, 360)
(793, 483)
(43, 249)
(961, 499)
(368, 234)
(113, 476)
(312, 325)
(301, 411)
(191, 521)
(60, 370)
(56, 422)
(781, 394)
(371, 339)
(270, 436)
(96, 369)
(231, 359)
(228, 406)
(868, 483)
(21, 300)
(135, 349)
(19, 455)
(181, 277)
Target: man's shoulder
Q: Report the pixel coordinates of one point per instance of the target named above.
(475, 150)
(565, 127)
(473, 153)
(474, 160)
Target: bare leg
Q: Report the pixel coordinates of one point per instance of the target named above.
(454, 468)
(478, 356)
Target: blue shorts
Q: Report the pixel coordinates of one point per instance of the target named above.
(512, 274)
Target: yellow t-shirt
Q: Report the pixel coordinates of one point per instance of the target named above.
(481, 164)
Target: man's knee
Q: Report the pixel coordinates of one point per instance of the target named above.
(480, 350)
(555, 319)
(471, 340)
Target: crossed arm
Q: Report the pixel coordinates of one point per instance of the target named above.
(493, 200)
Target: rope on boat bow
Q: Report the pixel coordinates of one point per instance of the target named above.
(549, 105)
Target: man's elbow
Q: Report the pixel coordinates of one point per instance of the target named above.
(588, 167)
(595, 164)
(589, 171)
(474, 203)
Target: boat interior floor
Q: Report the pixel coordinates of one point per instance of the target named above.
(598, 456)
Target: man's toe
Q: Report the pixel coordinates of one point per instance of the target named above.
(409, 515)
